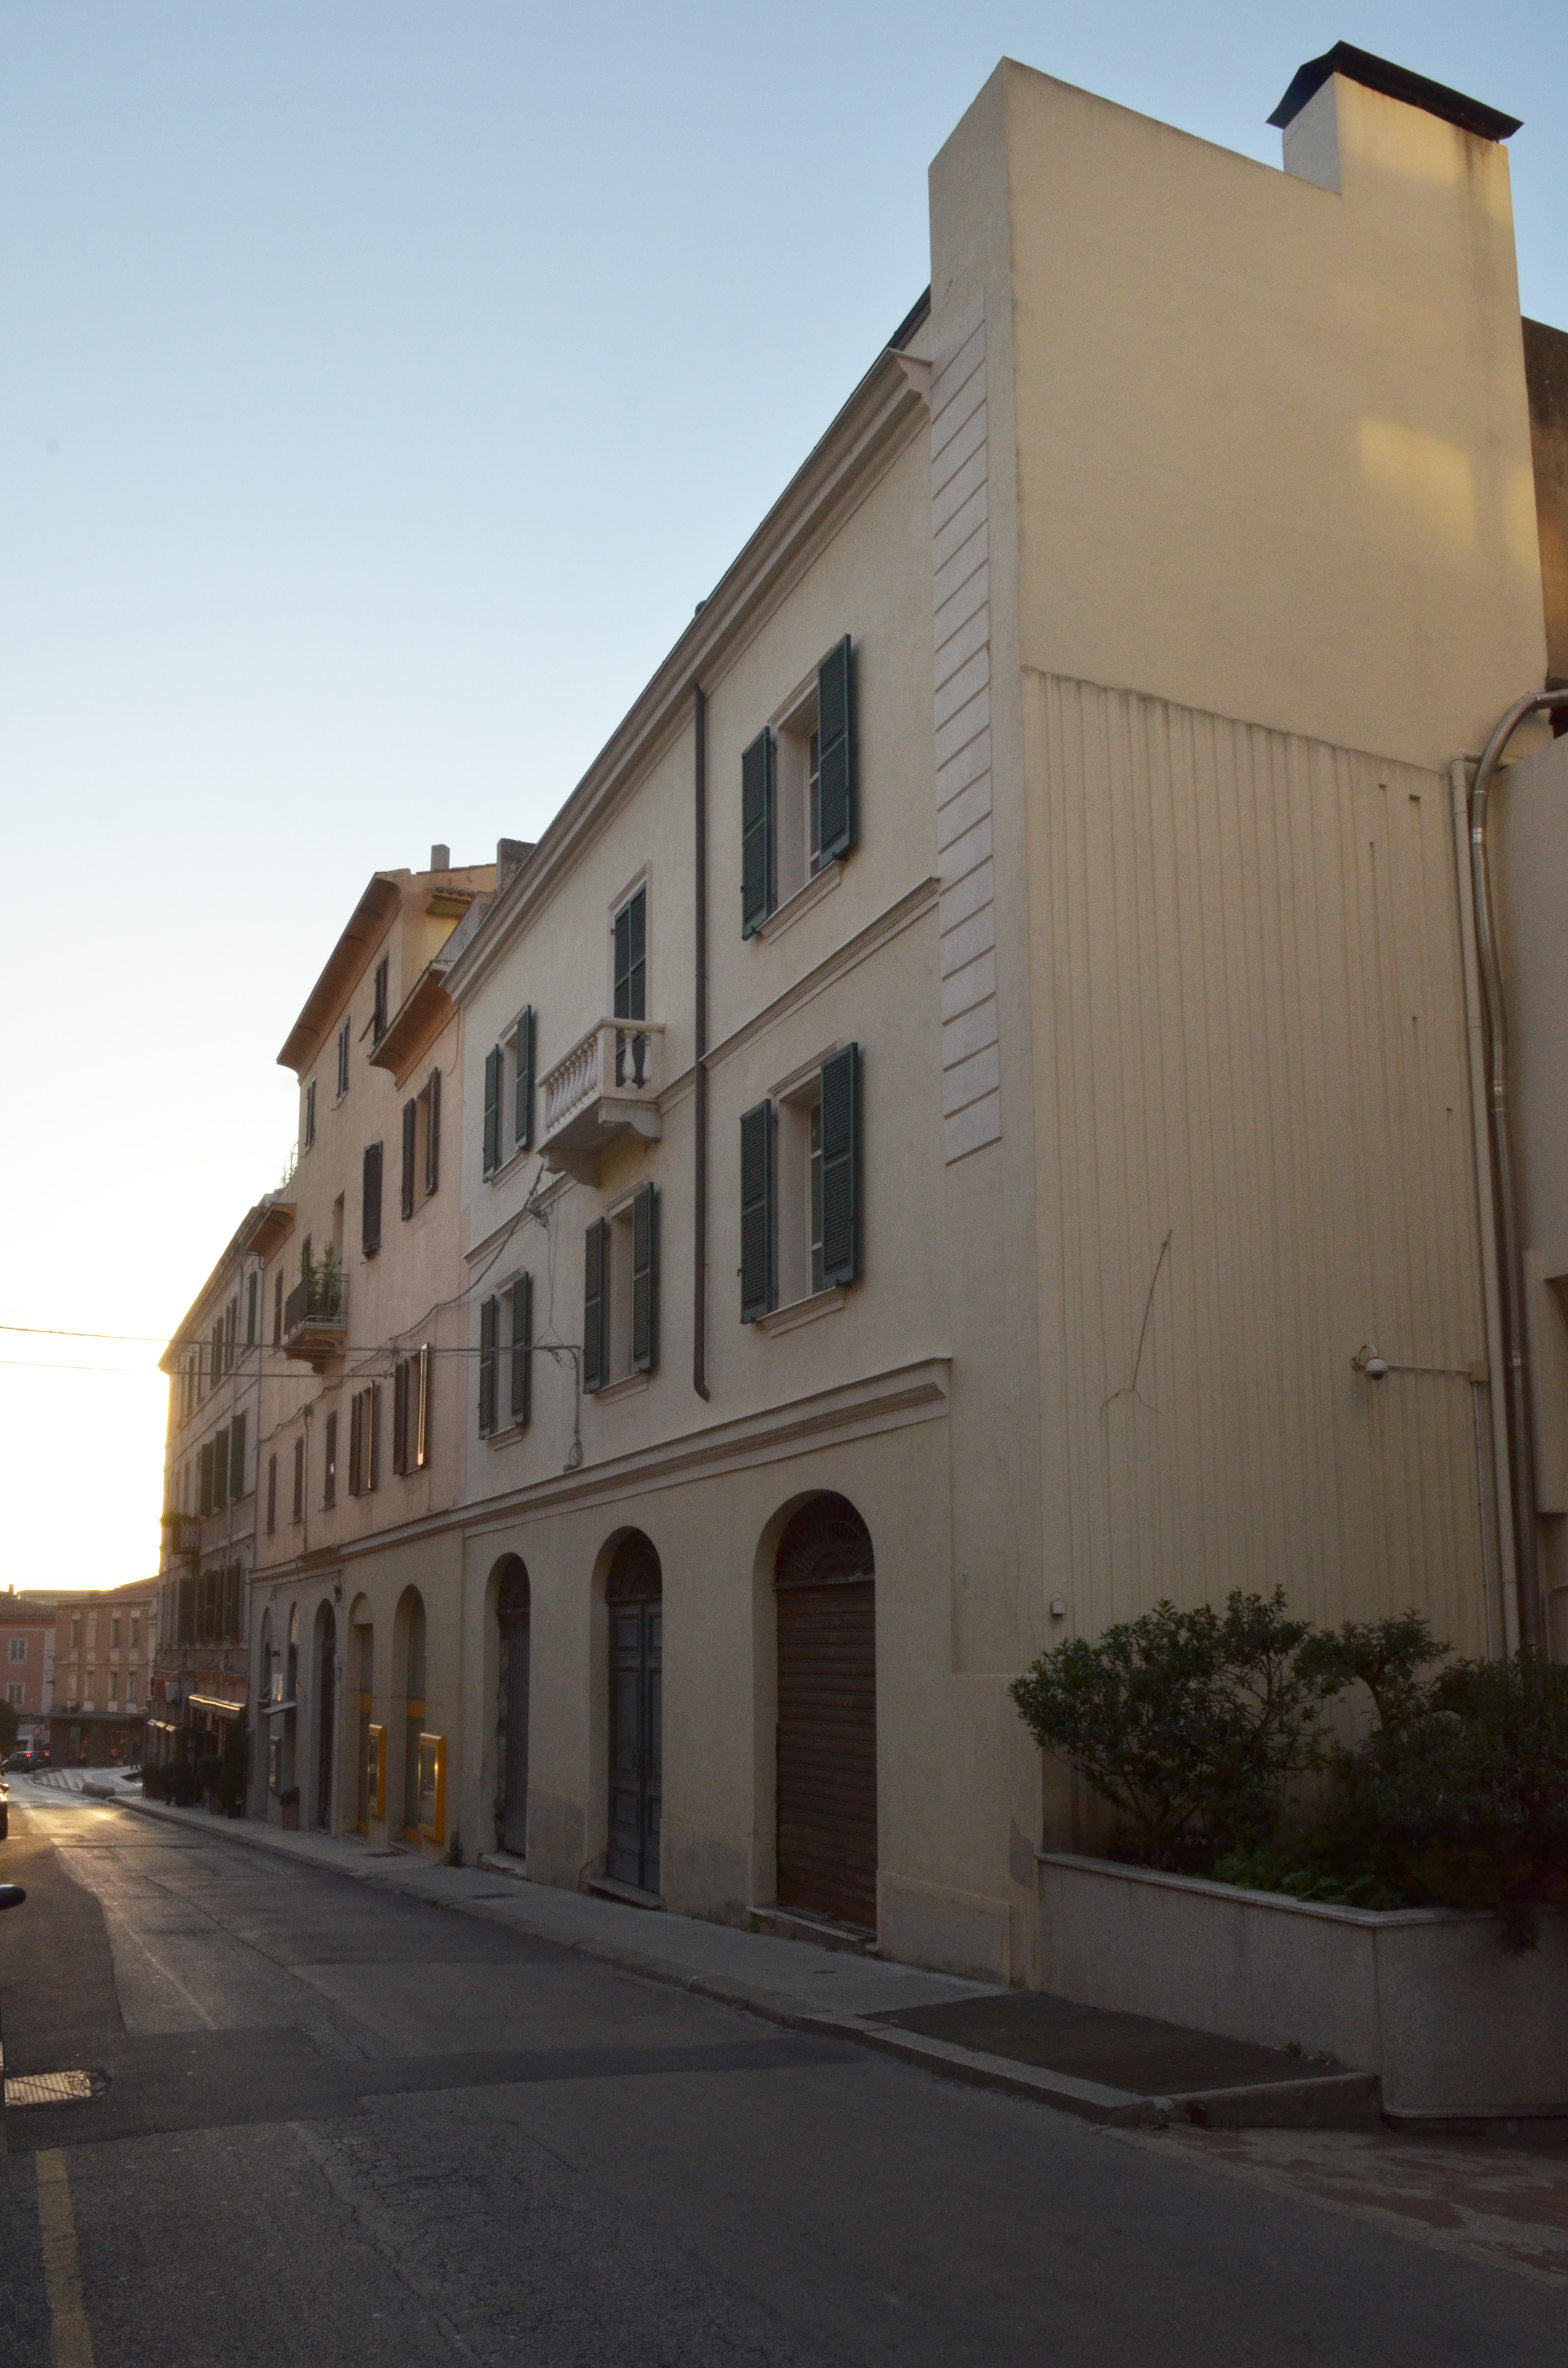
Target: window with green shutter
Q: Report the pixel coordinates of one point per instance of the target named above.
(836, 790)
(522, 1301)
(489, 1328)
(432, 1098)
(759, 1250)
(840, 1155)
(645, 1279)
(237, 1457)
(523, 1082)
(410, 1152)
(758, 854)
(595, 1304)
(630, 980)
(493, 1110)
(370, 1213)
(204, 1499)
(220, 1470)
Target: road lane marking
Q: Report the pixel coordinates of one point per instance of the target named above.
(61, 2268)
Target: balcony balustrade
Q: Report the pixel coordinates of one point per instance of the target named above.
(606, 1086)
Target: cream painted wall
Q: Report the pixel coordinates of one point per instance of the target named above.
(1246, 478)
(1274, 453)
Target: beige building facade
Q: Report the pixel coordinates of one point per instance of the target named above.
(1178, 548)
(362, 1445)
(105, 1652)
(936, 1137)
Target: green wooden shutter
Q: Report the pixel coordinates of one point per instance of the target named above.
(422, 1439)
(370, 1226)
(410, 1143)
(522, 1112)
(204, 1498)
(596, 1304)
(758, 860)
(433, 1132)
(645, 1279)
(220, 1470)
(356, 1439)
(631, 981)
(400, 1416)
(522, 1338)
(841, 1167)
(493, 1110)
(489, 1323)
(758, 1230)
(835, 750)
(237, 1457)
(372, 1443)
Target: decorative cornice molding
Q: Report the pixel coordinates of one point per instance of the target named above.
(919, 1392)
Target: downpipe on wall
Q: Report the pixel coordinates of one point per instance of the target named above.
(1521, 1438)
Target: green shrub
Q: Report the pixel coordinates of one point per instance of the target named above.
(1190, 1724)
(1464, 1801)
(1193, 1724)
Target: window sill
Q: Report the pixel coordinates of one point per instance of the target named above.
(627, 1387)
(513, 1160)
(509, 1437)
(801, 1311)
(784, 916)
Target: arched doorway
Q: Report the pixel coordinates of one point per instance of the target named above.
(513, 1604)
(633, 1591)
(413, 1713)
(824, 1587)
(326, 1707)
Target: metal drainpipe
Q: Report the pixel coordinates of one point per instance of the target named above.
(699, 1052)
(1521, 1461)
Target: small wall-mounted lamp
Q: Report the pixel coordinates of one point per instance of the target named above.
(1367, 1360)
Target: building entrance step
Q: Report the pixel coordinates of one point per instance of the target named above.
(822, 1932)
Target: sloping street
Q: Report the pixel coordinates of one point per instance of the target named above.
(328, 2124)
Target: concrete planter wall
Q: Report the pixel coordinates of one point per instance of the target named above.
(1423, 1996)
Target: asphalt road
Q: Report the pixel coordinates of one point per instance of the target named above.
(338, 2128)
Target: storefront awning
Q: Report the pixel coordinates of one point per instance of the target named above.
(218, 1704)
(276, 1709)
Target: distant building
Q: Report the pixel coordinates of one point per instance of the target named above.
(27, 1657)
(212, 1458)
(104, 1644)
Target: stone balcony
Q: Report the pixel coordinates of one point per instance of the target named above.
(608, 1086)
(315, 1318)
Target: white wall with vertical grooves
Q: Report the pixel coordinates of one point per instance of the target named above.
(1250, 1034)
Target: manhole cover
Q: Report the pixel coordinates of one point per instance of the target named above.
(48, 2087)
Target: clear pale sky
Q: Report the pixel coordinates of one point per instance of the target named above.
(384, 384)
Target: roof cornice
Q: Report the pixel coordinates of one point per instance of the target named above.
(365, 926)
(878, 420)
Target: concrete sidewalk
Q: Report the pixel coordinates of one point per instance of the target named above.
(835, 1993)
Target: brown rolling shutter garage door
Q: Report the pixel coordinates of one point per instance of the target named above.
(828, 1715)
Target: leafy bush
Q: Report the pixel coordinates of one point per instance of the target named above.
(1193, 1724)
(1464, 1801)
(1190, 1724)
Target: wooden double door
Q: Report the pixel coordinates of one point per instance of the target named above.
(826, 1744)
(636, 1738)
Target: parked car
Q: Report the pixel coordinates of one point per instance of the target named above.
(20, 1763)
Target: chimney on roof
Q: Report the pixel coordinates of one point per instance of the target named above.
(440, 858)
(1308, 116)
